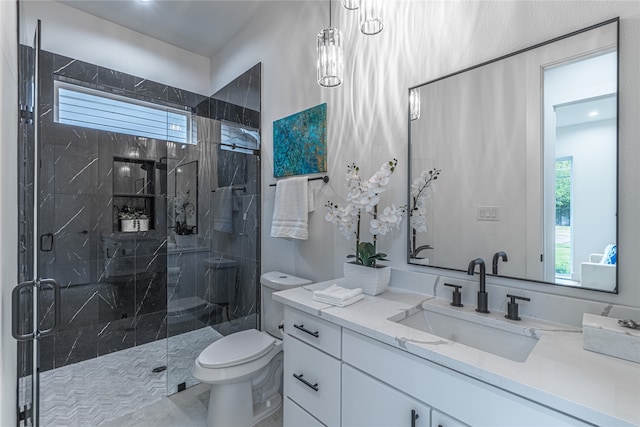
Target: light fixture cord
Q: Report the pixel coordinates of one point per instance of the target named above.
(329, 13)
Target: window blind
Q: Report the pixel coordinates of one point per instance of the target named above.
(89, 108)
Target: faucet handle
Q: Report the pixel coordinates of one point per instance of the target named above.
(457, 295)
(512, 307)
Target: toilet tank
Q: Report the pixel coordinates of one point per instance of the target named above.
(272, 314)
(220, 288)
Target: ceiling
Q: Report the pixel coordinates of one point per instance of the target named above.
(201, 26)
(586, 111)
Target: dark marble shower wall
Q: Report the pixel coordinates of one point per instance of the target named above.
(112, 302)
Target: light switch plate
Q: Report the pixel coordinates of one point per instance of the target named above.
(488, 213)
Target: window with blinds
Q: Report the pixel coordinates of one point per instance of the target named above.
(236, 137)
(80, 106)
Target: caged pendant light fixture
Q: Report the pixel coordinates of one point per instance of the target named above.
(351, 4)
(330, 56)
(371, 16)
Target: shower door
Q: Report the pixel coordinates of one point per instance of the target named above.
(28, 324)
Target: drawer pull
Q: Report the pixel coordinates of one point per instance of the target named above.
(305, 382)
(303, 329)
(414, 417)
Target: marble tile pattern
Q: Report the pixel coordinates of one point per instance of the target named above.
(558, 373)
(115, 287)
(95, 391)
(604, 335)
(239, 101)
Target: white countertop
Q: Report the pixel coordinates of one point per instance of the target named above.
(559, 373)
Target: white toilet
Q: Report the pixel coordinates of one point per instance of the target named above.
(245, 368)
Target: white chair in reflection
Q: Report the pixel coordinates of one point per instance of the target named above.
(596, 275)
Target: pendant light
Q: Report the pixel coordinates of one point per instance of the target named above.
(414, 103)
(351, 4)
(330, 56)
(371, 16)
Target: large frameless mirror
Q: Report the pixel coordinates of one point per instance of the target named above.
(515, 161)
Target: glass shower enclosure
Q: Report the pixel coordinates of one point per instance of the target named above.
(153, 240)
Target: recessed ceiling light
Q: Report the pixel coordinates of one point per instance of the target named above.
(594, 113)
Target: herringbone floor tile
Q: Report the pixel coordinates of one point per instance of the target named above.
(95, 391)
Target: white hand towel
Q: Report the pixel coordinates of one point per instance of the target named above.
(291, 208)
(332, 301)
(311, 199)
(223, 210)
(337, 293)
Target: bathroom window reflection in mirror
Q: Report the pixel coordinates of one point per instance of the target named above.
(527, 149)
(580, 147)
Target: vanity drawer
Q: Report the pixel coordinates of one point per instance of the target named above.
(312, 380)
(314, 331)
(295, 416)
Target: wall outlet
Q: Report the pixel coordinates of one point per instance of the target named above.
(488, 213)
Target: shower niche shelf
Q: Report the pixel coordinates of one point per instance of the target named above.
(133, 191)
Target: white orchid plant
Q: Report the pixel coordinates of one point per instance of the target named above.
(363, 198)
(418, 213)
(184, 211)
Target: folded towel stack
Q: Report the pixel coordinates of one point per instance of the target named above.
(338, 296)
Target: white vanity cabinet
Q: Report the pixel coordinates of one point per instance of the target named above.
(312, 377)
(454, 397)
(367, 402)
(336, 377)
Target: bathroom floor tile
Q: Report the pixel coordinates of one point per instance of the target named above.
(185, 409)
(94, 392)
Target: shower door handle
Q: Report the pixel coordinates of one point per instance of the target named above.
(17, 312)
(49, 241)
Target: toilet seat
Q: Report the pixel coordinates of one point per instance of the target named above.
(235, 349)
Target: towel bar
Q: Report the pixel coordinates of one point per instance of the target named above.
(324, 179)
(243, 188)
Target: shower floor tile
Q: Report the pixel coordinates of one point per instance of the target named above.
(95, 391)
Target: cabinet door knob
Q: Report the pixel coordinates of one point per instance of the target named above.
(414, 417)
(305, 330)
(314, 387)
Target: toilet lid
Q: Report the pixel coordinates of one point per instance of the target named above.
(237, 348)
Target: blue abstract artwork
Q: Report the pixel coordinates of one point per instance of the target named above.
(300, 143)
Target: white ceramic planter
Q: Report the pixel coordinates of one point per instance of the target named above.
(373, 281)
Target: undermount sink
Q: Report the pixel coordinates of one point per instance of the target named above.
(489, 334)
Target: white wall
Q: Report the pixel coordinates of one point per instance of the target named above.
(593, 223)
(422, 40)
(476, 134)
(82, 36)
(9, 212)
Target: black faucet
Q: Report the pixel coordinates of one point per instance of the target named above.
(496, 258)
(483, 296)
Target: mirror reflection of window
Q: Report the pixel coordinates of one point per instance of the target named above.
(580, 152)
(563, 256)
